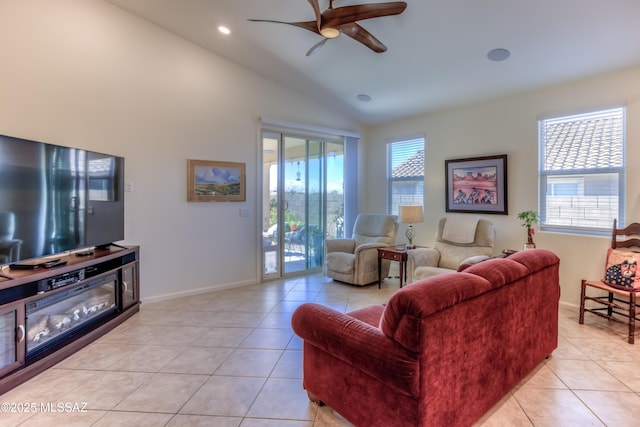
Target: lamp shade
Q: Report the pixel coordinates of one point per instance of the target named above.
(410, 214)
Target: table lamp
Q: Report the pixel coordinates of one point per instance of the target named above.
(410, 214)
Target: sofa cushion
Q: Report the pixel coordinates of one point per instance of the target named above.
(403, 315)
(499, 271)
(542, 260)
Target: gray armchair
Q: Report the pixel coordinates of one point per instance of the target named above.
(355, 260)
(447, 255)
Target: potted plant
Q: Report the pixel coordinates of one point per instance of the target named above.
(529, 218)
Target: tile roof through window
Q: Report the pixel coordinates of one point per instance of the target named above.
(411, 168)
(584, 143)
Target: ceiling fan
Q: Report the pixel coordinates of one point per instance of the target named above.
(342, 20)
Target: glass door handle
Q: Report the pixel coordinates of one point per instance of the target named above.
(20, 333)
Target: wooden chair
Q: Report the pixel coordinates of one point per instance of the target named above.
(617, 302)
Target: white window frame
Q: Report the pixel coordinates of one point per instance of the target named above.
(570, 151)
(398, 152)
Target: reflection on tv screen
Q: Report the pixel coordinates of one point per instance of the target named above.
(55, 199)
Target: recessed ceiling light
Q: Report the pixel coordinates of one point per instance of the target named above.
(498, 55)
(364, 98)
(224, 30)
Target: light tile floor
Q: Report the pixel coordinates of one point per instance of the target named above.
(229, 358)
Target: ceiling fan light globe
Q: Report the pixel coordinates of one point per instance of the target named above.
(330, 33)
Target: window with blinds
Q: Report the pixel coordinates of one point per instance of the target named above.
(405, 174)
(581, 171)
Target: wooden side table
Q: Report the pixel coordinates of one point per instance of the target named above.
(393, 253)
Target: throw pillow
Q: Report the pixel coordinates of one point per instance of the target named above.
(620, 270)
(472, 260)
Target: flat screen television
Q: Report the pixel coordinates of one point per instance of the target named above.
(56, 199)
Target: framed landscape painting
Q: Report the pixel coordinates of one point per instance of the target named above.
(212, 181)
(477, 184)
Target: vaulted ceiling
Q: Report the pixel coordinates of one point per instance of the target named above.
(437, 49)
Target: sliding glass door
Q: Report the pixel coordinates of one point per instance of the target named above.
(302, 197)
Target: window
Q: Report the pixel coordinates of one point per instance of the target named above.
(582, 165)
(405, 174)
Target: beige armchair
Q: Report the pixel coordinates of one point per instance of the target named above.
(355, 260)
(461, 241)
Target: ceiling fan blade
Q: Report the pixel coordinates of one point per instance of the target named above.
(358, 33)
(316, 47)
(307, 25)
(316, 10)
(343, 15)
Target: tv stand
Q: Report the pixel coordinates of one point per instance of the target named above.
(84, 253)
(53, 263)
(108, 245)
(92, 294)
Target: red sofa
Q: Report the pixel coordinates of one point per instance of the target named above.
(442, 352)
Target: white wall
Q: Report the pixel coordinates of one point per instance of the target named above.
(89, 75)
(509, 126)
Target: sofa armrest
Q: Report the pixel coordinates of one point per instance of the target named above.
(358, 344)
(420, 257)
(340, 245)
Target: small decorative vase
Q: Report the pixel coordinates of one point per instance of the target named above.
(530, 244)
